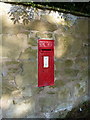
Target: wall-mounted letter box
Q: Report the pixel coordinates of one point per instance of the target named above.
(45, 62)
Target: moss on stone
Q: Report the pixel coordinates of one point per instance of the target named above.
(68, 63)
(11, 62)
(32, 41)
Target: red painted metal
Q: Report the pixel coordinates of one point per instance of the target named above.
(45, 62)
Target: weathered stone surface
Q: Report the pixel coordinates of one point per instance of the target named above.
(21, 96)
(12, 45)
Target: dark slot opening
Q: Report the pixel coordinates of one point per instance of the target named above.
(46, 49)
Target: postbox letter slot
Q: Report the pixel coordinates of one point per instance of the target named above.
(46, 60)
(46, 49)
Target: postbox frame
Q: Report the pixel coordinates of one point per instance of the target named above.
(47, 50)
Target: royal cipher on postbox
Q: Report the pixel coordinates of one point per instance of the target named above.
(45, 62)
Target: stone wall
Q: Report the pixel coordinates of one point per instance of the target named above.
(20, 95)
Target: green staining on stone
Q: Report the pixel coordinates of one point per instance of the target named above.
(13, 70)
(51, 92)
(11, 62)
(59, 83)
(29, 53)
(71, 72)
(29, 74)
(80, 89)
(43, 35)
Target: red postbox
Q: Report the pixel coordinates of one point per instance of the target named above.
(45, 62)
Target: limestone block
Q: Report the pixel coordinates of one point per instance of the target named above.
(42, 26)
(64, 94)
(20, 110)
(29, 74)
(12, 45)
(47, 103)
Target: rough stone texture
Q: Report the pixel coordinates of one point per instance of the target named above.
(20, 95)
